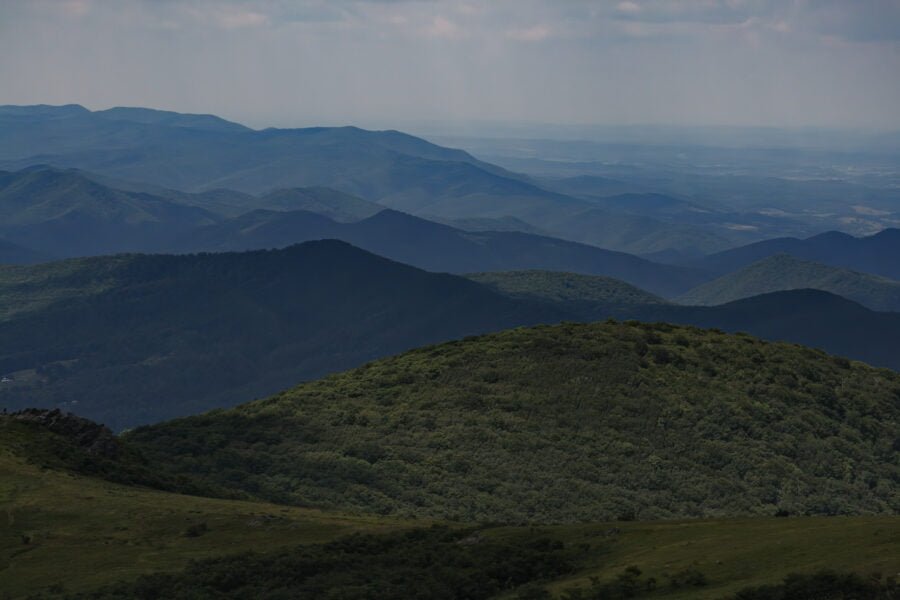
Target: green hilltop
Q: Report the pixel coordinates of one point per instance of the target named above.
(561, 424)
(572, 290)
(786, 272)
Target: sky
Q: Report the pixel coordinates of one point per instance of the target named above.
(782, 63)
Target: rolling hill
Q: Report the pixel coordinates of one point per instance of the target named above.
(876, 254)
(64, 214)
(59, 510)
(564, 423)
(576, 292)
(436, 247)
(134, 339)
(784, 272)
(811, 317)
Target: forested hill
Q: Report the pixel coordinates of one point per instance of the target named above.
(784, 272)
(565, 423)
(804, 316)
(572, 290)
(134, 339)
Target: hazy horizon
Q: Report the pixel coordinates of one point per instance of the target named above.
(797, 64)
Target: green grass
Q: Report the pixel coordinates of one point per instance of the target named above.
(733, 554)
(84, 532)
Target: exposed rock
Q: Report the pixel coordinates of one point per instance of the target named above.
(97, 440)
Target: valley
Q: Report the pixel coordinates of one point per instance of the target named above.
(524, 362)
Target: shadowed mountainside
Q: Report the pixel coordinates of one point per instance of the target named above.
(133, 339)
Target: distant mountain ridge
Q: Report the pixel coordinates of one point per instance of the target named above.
(132, 339)
(814, 318)
(69, 213)
(784, 272)
(62, 213)
(877, 254)
(436, 247)
(201, 153)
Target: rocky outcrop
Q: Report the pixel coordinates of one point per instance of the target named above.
(96, 440)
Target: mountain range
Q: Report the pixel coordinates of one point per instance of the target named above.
(337, 363)
(201, 153)
(64, 214)
(68, 213)
(436, 247)
(133, 339)
(876, 254)
(811, 317)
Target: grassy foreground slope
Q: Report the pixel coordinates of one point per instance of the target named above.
(564, 423)
(685, 560)
(64, 533)
(62, 528)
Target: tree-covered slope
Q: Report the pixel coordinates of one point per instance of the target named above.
(132, 541)
(575, 291)
(437, 247)
(134, 339)
(876, 254)
(60, 508)
(784, 272)
(810, 317)
(564, 423)
(65, 214)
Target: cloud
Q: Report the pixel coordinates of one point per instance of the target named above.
(75, 8)
(536, 33)
(629, 8)
(441, 27)
(281, 61)
(238, 19)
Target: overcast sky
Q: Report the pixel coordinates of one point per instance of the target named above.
(829, 63)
